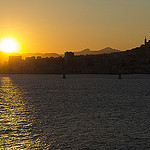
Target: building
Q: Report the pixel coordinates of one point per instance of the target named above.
(15, 60)
(15, 63)
(146, 42)
(69, 58)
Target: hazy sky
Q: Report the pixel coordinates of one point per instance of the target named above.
(60, 25)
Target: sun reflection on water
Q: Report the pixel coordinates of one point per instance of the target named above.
(16, 123)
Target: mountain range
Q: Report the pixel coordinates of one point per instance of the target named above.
(44, 55)
(106, 50)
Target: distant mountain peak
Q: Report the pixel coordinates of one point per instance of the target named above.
(86, 50)
(106, 50)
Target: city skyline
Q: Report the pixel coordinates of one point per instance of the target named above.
(58, 26)
(74, 74)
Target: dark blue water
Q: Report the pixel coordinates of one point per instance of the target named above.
(85, 112)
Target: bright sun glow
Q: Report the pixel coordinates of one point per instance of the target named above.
(9, 45)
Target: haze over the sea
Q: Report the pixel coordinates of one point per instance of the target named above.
(60, 25)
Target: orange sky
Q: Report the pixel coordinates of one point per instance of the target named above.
(60, 25)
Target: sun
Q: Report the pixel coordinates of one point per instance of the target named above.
(9, 45)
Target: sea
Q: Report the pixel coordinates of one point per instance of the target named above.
(81, 112)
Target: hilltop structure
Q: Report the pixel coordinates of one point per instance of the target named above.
(146, 42)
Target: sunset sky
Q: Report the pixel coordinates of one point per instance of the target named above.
(60, 25)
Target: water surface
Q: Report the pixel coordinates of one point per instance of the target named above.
(86, 112)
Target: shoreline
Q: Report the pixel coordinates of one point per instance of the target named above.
(80, 73)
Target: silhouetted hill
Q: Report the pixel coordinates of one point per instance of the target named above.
(136, 60)
(106, 50)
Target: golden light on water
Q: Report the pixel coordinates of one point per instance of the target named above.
(16, 125)
(10, 45)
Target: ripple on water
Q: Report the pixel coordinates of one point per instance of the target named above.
(85, 112)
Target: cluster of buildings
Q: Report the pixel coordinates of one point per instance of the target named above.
(131, 61)
(68, 63)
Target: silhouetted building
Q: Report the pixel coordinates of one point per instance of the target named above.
(69, 58)
(15, 63)
(146, 43)
(145, 40)
(15, 60)
(80, 64)
(30, 58)
(38, 57)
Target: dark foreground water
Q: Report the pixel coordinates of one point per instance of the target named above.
(85, 112)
